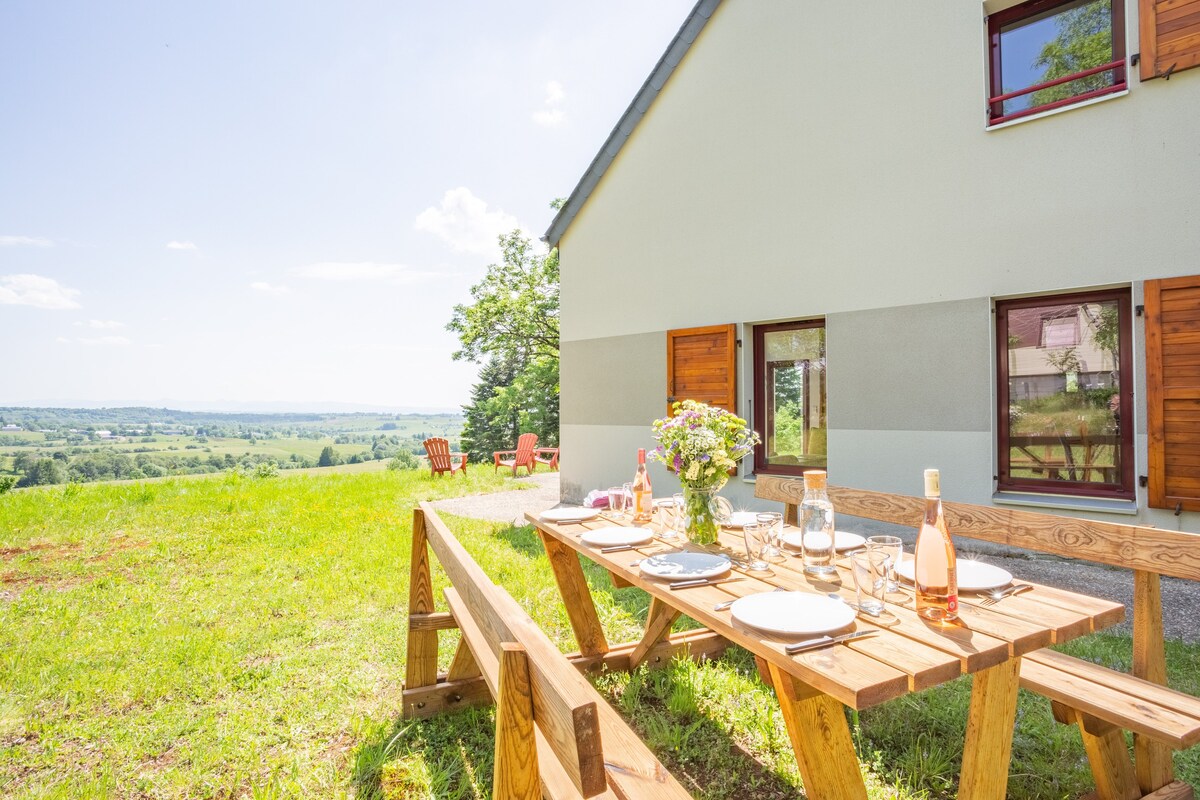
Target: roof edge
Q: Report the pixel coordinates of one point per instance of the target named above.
(695, 22)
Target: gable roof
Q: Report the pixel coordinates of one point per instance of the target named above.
(666, 65)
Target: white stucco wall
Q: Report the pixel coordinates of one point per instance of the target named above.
(816, 159)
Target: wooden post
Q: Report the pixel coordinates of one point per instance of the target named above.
(464, 666)
(1155, 768)
(1106, 752)
(816, 724)
(422, 643)
(577, 598)
(989, 732)
(516, 772)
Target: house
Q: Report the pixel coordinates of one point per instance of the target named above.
(11, 427)
(966, 237)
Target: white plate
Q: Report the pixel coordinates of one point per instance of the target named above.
(973, 576)
(614, 535)
(571, 512)
(841, 540)
(684, 566)
(792, 613)
(740, 518)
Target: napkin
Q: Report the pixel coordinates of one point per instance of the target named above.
(597, 498)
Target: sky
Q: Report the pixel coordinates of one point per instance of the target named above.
(226, 204)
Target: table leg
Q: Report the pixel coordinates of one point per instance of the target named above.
(988, 748)
(816, 724)
(659, 620)
(577, 598)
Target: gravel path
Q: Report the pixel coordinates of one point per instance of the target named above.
(1181, 599)
(507, 506)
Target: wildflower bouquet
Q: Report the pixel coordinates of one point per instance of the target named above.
(701, 444)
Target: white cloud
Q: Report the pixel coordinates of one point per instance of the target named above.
(36, 291)
(268, 288)
(551, 116)
(101, 324)
(104, 341)
(25, 241)
(465, 223)
(362, 271)
(177, 245)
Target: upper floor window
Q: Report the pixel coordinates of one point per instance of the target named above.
(789, 397)
(1047, 53)
(1064, 375)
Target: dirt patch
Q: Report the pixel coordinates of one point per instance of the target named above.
(118, 543)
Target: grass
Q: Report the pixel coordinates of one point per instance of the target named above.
(238, 637)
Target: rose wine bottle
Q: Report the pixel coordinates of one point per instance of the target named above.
(935, 568)
(643, 498)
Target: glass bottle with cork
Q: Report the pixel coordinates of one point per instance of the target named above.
(816, 524)
(935, 571)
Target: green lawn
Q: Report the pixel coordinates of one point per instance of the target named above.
(239, 637)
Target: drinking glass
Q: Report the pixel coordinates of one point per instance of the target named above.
(773, 521)
(616, 502)
(630, 511)
(870, 568)
(893, 548)
(757, 537)
(668, 517)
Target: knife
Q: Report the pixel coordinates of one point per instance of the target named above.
(703, 582)
(825, 641)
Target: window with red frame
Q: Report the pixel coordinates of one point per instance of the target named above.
(789, 397)
(1047, 54)
(1065, 413)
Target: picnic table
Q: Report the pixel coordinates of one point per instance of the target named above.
(907, 654)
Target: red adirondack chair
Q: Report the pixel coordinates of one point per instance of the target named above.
(442, 460)
(521, 457)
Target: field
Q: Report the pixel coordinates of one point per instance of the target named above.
(191, 442)
(232, 636)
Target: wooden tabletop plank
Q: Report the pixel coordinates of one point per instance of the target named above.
(853, 678)
(973, 649)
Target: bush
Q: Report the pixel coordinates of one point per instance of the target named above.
(7, 482)
(404, 460)
(152, 470)
(266, 469)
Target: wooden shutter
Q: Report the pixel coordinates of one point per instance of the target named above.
(702, 365)
(1173, 391)
(1170, 36)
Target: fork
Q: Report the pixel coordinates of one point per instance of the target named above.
(996, 595)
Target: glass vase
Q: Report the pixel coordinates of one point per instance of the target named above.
(704, 512)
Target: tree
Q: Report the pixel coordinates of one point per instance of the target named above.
(1084, 40)
(44, 472)
(512, 329)
(328, 457)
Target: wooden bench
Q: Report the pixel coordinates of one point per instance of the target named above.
(1101, 701)
(556, 737)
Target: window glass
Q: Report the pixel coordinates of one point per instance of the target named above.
(1063, 382)
(789, 396)
(1040, 42)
